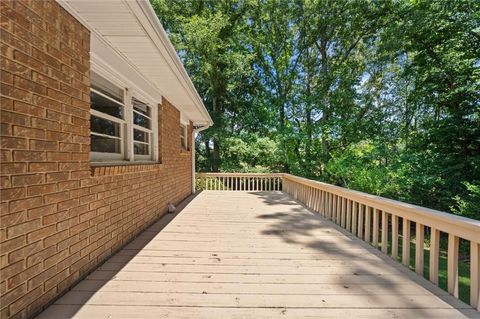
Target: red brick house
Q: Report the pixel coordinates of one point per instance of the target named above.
(97, 122)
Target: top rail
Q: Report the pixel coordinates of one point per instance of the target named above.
(460, 226)
(382, 222)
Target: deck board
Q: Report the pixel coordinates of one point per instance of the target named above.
(252, 255)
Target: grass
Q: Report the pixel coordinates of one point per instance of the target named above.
(463, 267)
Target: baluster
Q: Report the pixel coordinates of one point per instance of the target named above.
(419, 246)
(354, 217)
(322, 203)
(349, 215)
(313, 195)
(332, 207)
(344, 212)
(406, 242)
(376, 215)
(434, 254)
(395, 237)
(368, 220)
(475, 275)
(360, 220)
(384, 232)
(338, 213)
(452, 269)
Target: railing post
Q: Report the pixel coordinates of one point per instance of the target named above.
(376, 215)
(395, 237)
(361, 222)
(434, 255)
(475, 275)
(368, 220)
(354, 217)
(452, 269)
(406, 242)
(348, 222)
(384, 232)
(419, 245)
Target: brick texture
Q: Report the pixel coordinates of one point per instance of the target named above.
(61, 216)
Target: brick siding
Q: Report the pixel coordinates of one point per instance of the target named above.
(61, 216)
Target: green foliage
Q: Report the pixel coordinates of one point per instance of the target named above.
(249, 154)
(468, 206)
(379, 96)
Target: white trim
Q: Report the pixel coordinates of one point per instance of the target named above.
(130, 74)
(153, 151)
(162, 38)
(119, 72)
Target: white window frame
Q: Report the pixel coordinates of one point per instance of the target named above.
(102, 156)
(126, 128)
(141, 157)
(184, 137)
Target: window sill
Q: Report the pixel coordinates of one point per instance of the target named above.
(122, 167)
(184, 152)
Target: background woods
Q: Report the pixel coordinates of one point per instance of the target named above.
(379, 96)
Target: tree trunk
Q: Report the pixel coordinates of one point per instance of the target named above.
(216, 156)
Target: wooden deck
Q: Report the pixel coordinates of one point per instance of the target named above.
(252, 255)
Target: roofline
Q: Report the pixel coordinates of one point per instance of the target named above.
(162, 34)
(150, 15)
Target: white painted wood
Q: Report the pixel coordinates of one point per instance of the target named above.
(368, 221)
(361, 220)
(244, 255)
(354, 218)
(406, 242)
(475, 275)
(376, 215)
(434, 255)
(384, 232)
(465, 228)
(452, 269)
(419, 248)
(394, 237)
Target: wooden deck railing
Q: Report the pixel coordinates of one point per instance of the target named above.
(239, 182)
(374, 219)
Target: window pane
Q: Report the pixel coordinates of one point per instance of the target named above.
(104, 105)
(140, 136)
(141, 107)
(141, 120)
(102, 126)
(141, 149)
(105, 144)
(107, 88)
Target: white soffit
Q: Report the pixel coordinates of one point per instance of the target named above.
(132, 29)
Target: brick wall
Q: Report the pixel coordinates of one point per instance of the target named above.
(60, 217)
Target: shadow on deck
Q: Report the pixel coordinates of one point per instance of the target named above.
(252, 255)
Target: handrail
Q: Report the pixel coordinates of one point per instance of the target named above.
(368, 217)
(240, 181)
(470, 228)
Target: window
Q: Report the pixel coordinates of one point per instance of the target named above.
(107, 120)
(142, 130)
(183, 137)
(122, 127)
